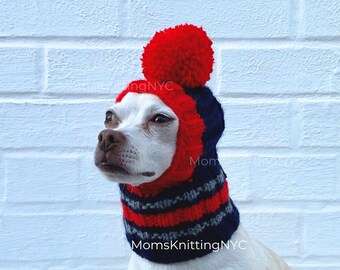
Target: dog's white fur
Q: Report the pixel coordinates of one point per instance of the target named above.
(150, 147)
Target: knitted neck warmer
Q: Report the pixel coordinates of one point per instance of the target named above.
(196, 211)
(190, 202)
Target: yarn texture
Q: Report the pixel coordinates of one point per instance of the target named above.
(182, 54)
(190, 202)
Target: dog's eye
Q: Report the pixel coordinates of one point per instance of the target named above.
(108, 117)
(160, 119)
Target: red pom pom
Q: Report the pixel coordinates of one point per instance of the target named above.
(182, 54)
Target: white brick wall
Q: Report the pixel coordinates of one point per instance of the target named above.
(277, 74)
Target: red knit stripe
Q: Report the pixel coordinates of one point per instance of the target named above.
(178, 216)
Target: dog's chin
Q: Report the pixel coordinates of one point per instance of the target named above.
(122, 179)
(133, 179)
(124, 176)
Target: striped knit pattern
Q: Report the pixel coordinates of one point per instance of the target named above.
(196, 210)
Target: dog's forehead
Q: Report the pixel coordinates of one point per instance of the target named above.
(139, 104)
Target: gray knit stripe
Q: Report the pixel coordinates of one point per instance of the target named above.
(173, 235)
(187, 196)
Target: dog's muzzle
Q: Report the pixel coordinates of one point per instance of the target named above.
(109, 141)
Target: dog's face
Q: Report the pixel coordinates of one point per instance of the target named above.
(139, 141)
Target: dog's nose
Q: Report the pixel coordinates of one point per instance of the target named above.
(108, 138)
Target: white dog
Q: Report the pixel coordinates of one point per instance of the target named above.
(148, 150)
(177, 210)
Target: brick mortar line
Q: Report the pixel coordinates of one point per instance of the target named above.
(83, 99)
(65, 214)
(218, 70)
(294, 18)
(300, 234)
(123, 20)
(131, 43)
(44, 79)
(295, 125)
(108, 207)
(48, 101)
(87, 260)
(59, 99)
(320, 260)
(315, 261)
(76, 212)
(251, 150)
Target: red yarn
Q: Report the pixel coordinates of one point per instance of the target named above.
(182, 54)
(180, 215)
(189, 136)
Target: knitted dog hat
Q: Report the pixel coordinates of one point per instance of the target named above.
(190, 201)
(177, 63)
